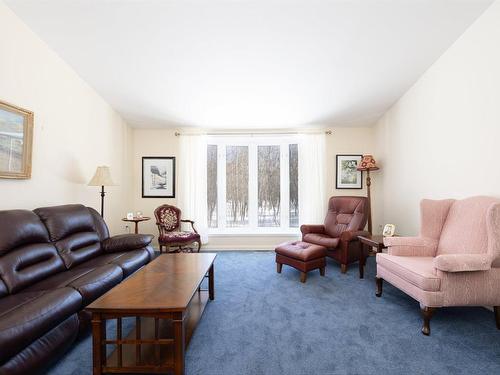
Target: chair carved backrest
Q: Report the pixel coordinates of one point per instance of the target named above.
(346, 213)
(168, 218)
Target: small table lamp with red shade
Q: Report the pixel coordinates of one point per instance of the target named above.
(368, 164)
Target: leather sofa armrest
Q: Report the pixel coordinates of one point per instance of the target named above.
(352, 235)
(309, 228)
(126, 242)
(411, 246)
(462, 262)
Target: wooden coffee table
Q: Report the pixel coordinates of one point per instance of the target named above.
(167, 302)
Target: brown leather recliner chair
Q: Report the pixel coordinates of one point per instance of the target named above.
(345, 220)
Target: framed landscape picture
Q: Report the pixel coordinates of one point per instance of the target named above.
(348, 177)
(16, 139)
(158, 177)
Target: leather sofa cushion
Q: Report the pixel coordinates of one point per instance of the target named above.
(128, 261)
(418, 271)
(78, 247)
(25, 317)
(98, 281)
(62, 221)
(322, 239)
(20, 228)
(3, 289)
(126, 242)
(91, 283)
(42, 352)
(99, 224)
(26, 265)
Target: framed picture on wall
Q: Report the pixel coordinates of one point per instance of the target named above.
(347, 175)
(16, 138)
(158, 177)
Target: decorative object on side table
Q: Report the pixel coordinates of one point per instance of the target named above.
(102, 177)
(16, 141)
(347, 173)
(158, 177)
(368, 164)
(136, 220)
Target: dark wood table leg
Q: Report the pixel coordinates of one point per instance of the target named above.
(211, 285)
(98, 347)
(179, 347)
(362, 260)
(136, 227)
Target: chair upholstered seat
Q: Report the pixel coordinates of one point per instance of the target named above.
(179, 236)
(322, 239)
(418, 271)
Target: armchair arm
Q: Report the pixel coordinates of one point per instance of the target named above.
(192, 224)
(411, 246)
(126, 242)
(462, 262)
(309, 228)
(349, 235)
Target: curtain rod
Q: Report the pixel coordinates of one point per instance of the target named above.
(327, 132)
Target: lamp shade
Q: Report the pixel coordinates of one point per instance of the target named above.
(368, 163)
(102, 177)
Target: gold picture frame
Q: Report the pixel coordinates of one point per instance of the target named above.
(16, 141)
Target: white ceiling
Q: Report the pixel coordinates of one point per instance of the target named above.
(245, 64)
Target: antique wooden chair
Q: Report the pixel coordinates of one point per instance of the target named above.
(168, 220)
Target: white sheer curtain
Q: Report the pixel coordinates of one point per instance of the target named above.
(192, 177)
(312, 170)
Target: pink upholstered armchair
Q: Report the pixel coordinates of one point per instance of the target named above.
(454, 262)
(168, 220)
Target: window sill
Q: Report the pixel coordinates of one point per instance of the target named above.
(254, 234)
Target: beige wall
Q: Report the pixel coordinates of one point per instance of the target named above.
(441, 138)
(151, 142)
(74, 131)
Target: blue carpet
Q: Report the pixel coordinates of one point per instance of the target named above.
(262, 322)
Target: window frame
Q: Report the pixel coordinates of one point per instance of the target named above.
(253, 142)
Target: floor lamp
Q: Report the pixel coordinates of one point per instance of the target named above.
(368, 164)
(102, 177)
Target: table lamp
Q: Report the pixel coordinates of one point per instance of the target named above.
(368, 164)
(102, 177)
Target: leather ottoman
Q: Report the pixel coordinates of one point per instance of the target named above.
(302, 256)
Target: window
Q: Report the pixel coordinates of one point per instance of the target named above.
(252, 184)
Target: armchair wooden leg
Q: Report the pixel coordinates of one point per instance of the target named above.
(497, 315)
(379, 282)
(343, 268)
(279, 266)
(303, 277)
(322, 271)
(199, 245)
(427, 313)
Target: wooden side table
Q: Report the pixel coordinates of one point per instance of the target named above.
(137, 220)
(368, 243)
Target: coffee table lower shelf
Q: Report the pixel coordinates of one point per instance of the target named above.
(155, 345)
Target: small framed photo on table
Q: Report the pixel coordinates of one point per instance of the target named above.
(158, 177)
(347, 176)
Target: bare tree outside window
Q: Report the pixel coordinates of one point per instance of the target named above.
(268, 158)
(293, 167)
(236, 186)
(212, 186)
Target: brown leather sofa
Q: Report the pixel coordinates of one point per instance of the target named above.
(54, 261)
(344, 222)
